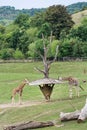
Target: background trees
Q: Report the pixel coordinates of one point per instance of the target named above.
(59, 19)
(22, 21)
(75, 44)
(81, 31)
(23, 38)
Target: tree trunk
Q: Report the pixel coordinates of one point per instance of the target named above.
(69, 116)
(29, 125)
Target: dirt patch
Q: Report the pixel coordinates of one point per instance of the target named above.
(24, 104)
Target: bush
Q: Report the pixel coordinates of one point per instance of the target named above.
(18, 54)
(6, 53)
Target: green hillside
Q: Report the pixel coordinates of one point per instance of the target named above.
(76, 7)
(78, 17)
(8, 13)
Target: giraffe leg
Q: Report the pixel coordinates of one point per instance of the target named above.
(20, 101)
(70, 91)
(13, 101)
(77, 91)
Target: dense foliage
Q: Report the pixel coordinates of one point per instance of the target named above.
(59, 19)
(75, 45)
(23, 38)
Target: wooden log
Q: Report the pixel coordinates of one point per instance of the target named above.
(29, 125)
(70, 116)
(79, 115)
(83, 115)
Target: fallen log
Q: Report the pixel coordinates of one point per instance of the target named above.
(70, 115)
(29, 125)
(79, 115)
(83, 115)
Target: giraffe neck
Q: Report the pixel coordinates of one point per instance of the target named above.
(72, 81)
(22, 85)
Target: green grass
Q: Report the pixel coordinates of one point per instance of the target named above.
(11, 75)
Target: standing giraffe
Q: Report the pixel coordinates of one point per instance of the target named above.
(19, 90)
(72, 82)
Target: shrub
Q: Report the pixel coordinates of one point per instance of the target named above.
(6, 53)
(18, 54)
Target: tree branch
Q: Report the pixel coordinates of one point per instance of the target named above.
(42, 71)
(50, 62)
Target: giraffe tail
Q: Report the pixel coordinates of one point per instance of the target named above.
(81, 87)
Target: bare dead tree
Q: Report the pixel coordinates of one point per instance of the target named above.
(47, 88)
(46, 62)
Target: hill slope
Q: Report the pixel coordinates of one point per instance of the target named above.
(78, 17)
(76, 7)
(8, 13)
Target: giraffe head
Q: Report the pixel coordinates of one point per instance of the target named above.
(26, 81)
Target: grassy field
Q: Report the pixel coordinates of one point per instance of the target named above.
(11, 75)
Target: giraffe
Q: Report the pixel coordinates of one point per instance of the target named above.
(72, 82)
(19, 90)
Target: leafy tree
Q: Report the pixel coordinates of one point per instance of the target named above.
(18, 39)
(65, 48)
(84, 48)
(23, 43)
(45, 29)
(36, 48)
(14, 39)
(72, 48)
(31, 52)
(22, 20)
(37, 20)
(31, 32)
(80, 32)
(78, 48)
(59, 19)
(2, 29)
(2, 41)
